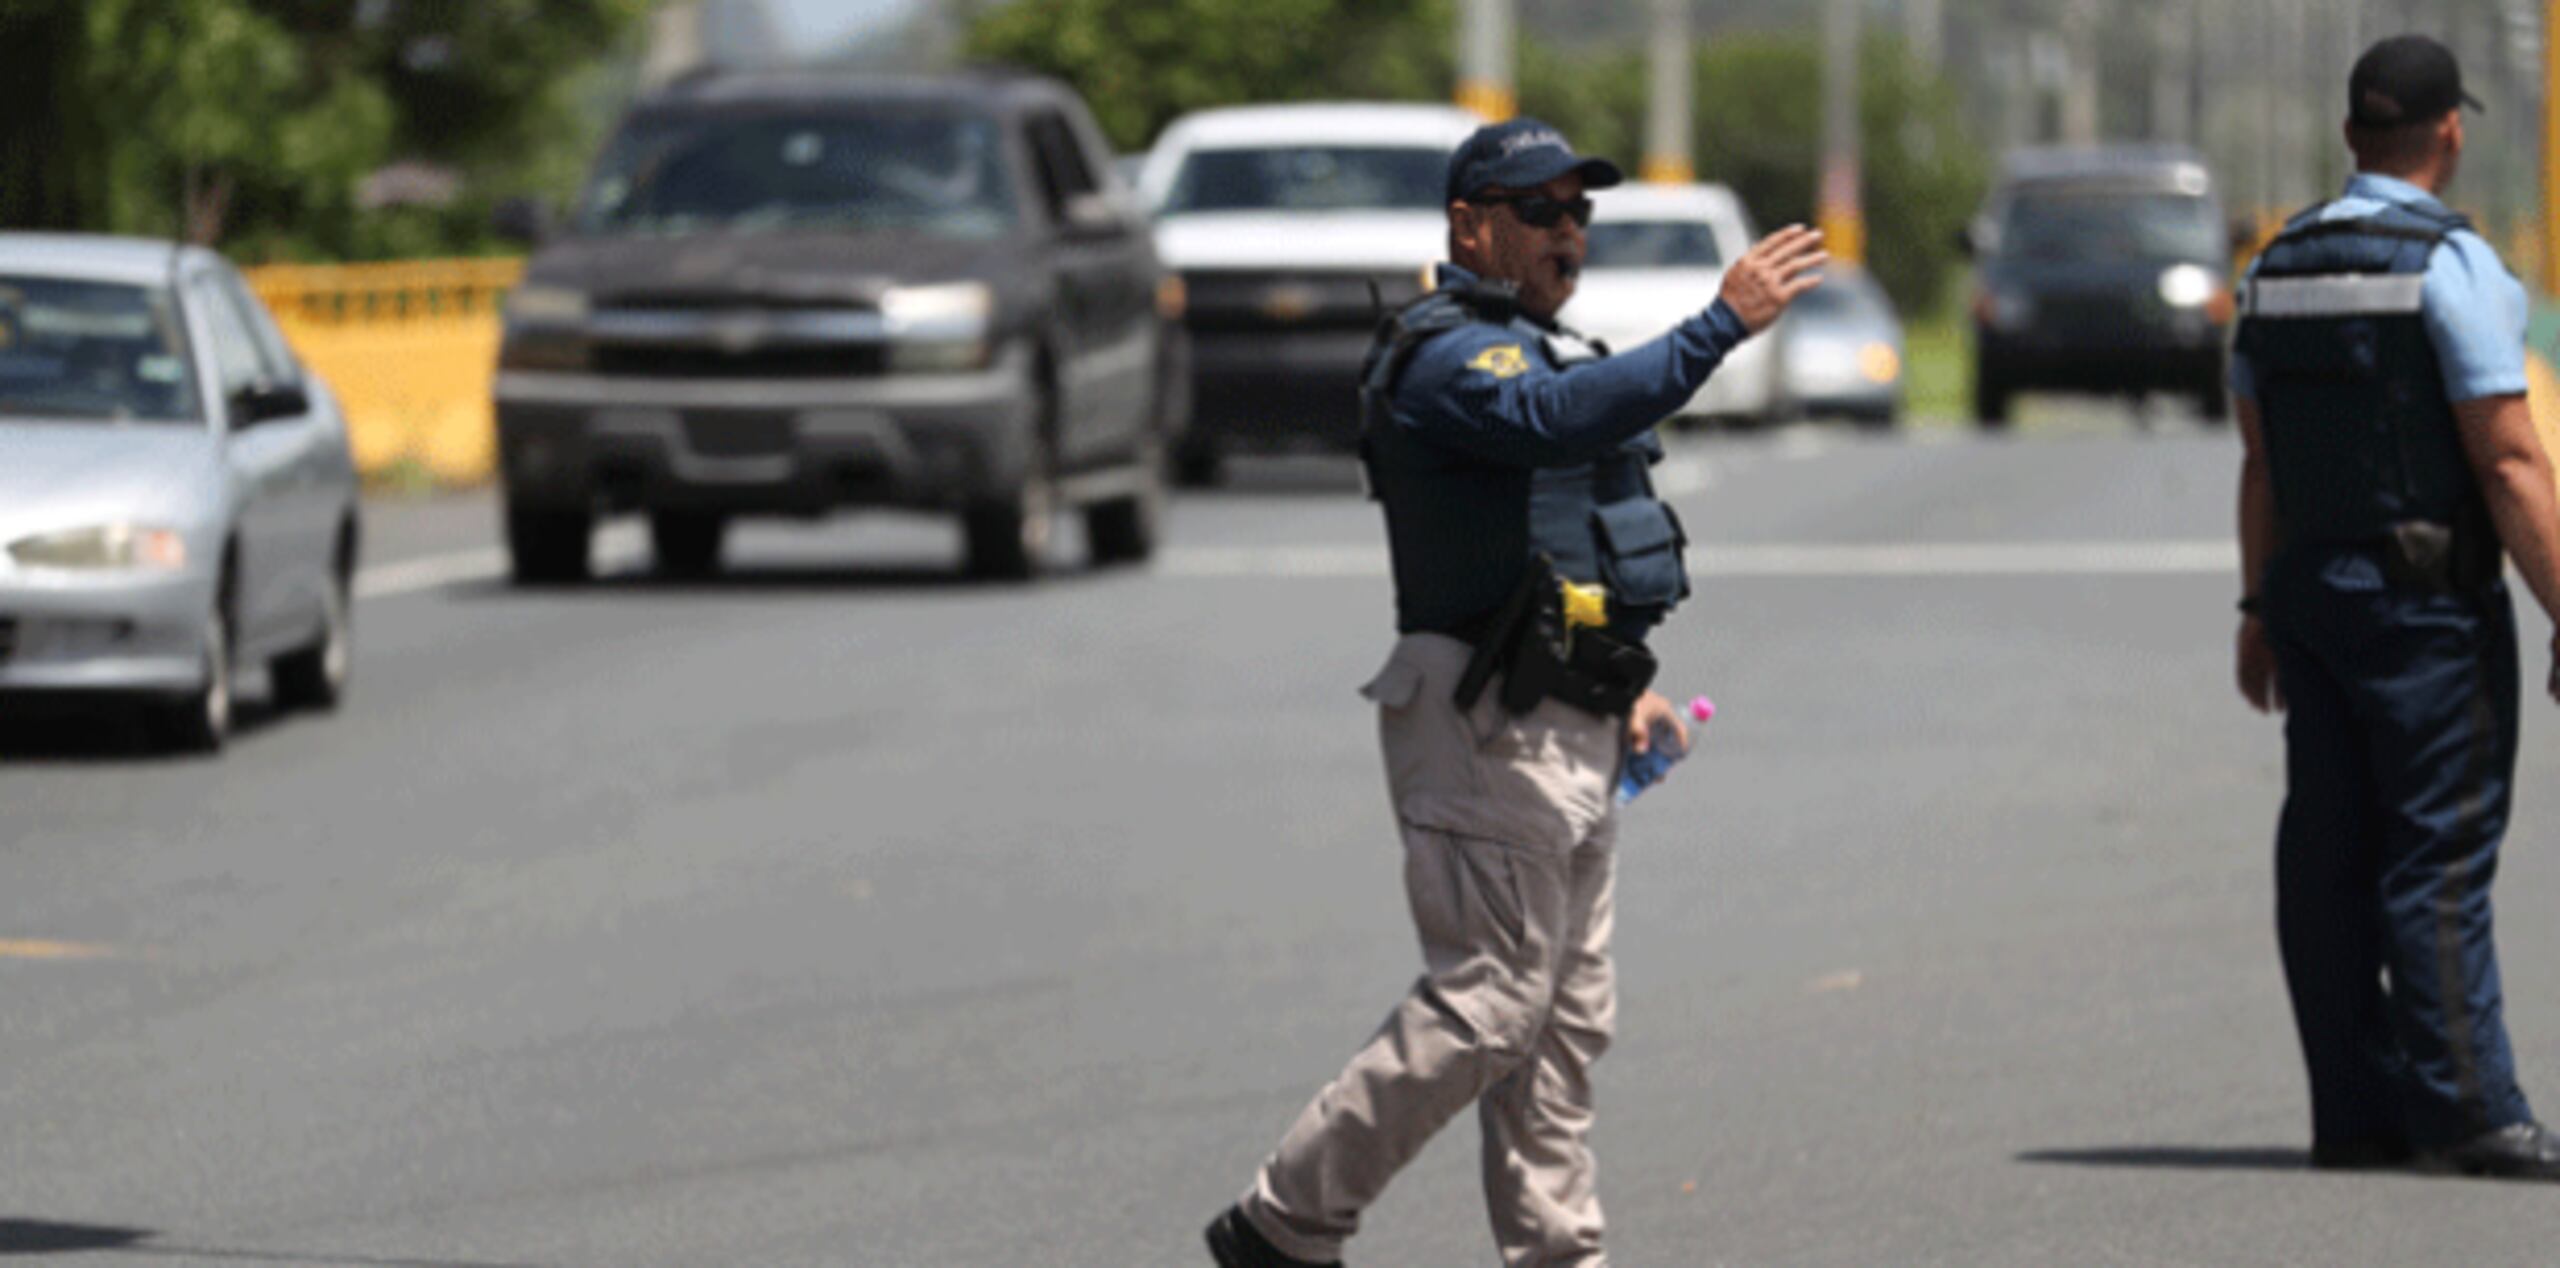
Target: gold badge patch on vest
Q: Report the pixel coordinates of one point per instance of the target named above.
(1502, 361)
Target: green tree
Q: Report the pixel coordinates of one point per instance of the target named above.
(1140, 63)
(252, 123)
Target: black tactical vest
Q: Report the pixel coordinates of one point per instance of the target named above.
(2359, 434)
(1461, 530)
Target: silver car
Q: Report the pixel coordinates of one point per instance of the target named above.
(176, 493)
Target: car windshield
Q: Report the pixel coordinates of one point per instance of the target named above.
(2111, 224)
(1835, 299)
(1651, 244)
(1311, 178)
(92, 350)
(937, 174)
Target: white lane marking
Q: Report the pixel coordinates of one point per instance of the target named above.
(1914, 559)
(434, 572)
(1683, 476)
(616, 546)
(1805, 559)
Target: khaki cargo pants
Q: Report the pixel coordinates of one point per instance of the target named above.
(1510, 853)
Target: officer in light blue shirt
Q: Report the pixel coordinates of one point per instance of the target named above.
(2391, 461)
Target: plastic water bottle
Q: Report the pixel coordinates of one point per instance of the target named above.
(1643, 770)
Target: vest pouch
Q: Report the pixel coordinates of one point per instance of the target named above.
(2346, 350)
(1640, 560)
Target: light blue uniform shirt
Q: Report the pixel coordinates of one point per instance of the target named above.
(2474, 308)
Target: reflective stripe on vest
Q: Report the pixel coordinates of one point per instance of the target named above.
(2348, 295)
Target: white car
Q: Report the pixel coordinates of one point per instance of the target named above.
(1657, 257)
(1291, 226)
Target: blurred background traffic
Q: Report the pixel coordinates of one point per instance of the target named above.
(303, 140)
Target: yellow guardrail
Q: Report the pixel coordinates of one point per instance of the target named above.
(410, 347)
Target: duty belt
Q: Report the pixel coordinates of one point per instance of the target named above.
(1541, 656)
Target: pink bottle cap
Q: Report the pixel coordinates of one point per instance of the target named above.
(1702, 708)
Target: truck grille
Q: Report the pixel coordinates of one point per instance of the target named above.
(1274, 300)
(738, 433)
(825, 361)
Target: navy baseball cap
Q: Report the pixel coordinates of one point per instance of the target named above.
(2405, 79)
(1521, 153)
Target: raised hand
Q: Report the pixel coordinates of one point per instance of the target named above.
(1770, 275)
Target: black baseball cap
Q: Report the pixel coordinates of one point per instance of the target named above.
(2405, 79)
(1520, 154)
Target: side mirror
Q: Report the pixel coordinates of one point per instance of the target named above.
(266, 402)
(1095, 215)
(2244, 235)
(522, 220)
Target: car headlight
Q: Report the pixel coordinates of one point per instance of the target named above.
(938, 328)
(1878, 363)
(546, 305)
(2187, 286)
(104, 546)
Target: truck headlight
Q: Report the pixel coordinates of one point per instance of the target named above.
(2187, 286)
(103, 546)
(938, 328)
(546, 305)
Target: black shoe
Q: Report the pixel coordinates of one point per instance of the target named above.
(1235, 1243)
(2378, 1154)
(2517, 1151)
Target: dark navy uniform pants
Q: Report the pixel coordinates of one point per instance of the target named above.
(2400, 750)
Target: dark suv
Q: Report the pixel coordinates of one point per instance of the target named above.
(2101, 270)
(783, 294)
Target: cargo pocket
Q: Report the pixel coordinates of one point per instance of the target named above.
(1640, 541)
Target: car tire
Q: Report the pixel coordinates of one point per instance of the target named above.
(1992, 399)
(686, 543)
(549, 547)
(2213, 402)
(1199, 464)
(199, 721)
(1124, 529)
(315, 677)
(1008, 540)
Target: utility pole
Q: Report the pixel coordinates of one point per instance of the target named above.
(2080, 91)
(1666, 134)
(1842, 216)
(676, 42)
(1924, 29)
(1484, 59)
(2173, 36)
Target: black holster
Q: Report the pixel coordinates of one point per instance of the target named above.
(1540, 658)
(2439, 558)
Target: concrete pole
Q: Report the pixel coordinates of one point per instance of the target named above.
(2172, 74)
(1924, 29)
(1485, 59)
(676, 43)
(1666, 133)
(1842, 214)
(2080, 93)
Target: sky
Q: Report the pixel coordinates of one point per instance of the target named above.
(817, 25)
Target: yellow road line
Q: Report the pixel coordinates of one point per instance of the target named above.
(46, 949)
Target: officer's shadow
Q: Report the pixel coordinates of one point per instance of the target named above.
(2178, 1157)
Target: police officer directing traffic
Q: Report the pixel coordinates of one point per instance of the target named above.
(2381, 385)
(1510, 458)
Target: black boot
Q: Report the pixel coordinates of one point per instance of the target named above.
(2517, 1151)
(1235, 1243)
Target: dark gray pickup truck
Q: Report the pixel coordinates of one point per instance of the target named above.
(788, 294)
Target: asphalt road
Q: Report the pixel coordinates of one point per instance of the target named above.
(839, 913)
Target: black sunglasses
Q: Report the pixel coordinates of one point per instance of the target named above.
(1539, 211)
